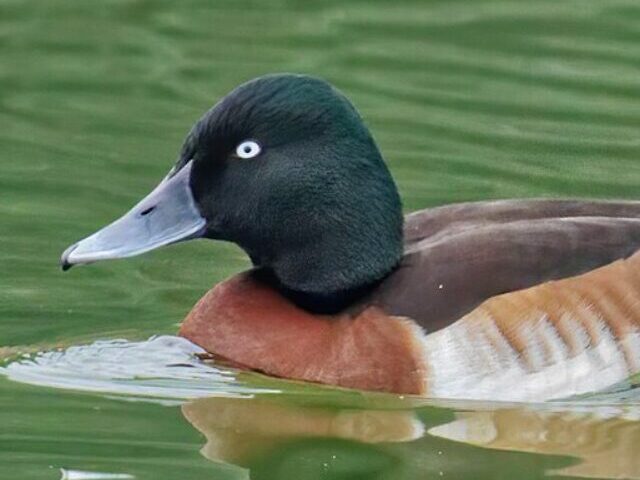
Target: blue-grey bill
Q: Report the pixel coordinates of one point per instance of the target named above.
(167, 215)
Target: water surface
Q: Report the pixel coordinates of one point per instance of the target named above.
(468, 100)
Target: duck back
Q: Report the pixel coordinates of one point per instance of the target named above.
(460, 255)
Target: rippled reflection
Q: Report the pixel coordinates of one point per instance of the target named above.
(601, 440)
(297, 437)
(605, 439)
(275, 429)
(237, 430)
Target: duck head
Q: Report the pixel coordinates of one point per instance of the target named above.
(284, 167)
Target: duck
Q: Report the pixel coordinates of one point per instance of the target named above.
(506, 300)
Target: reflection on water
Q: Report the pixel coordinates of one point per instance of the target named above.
(602, 440)
(237, 431)
(330, 433)
(248, 432)
(81, 475)
(605, 439)
(282, 437)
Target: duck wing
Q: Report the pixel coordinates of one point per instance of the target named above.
(458, 256)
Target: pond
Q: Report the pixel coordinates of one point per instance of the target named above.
(468, 100)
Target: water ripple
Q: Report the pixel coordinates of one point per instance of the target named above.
(163, 367)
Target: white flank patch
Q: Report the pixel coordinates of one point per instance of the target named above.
(473, 360)
(631, 346)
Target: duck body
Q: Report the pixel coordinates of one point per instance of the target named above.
(509, 300)
(502, 300)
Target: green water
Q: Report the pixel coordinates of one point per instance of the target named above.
(467, 99)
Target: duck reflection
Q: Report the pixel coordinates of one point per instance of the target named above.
(238, 430)
(605, 439)
(289, 437)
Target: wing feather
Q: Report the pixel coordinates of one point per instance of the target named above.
(460, 255)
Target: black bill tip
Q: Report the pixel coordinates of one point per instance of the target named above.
(65, 264)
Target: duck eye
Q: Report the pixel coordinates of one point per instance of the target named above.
(248, 149)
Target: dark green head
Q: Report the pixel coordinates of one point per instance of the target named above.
(284, 167)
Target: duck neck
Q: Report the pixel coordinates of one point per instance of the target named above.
(333, 270)
(318, 302)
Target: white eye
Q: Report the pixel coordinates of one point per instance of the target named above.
(248, 149)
